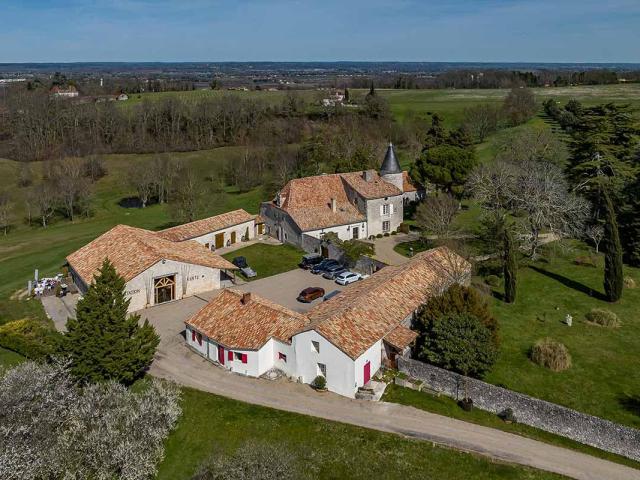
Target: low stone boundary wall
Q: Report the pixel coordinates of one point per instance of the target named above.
(534, 412)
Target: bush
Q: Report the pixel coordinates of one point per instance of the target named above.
(629, 282)
(482, 287)
(252, 461)
(492, 280)
(461, 343)
(319, 383)
(490, 267)
(603, 317)
(585, 261)
(466, 404)
(386, 234)
(30, 338)
(551, 354)
(379, 235)
(394, 233)
(507, 415)
(371, 237)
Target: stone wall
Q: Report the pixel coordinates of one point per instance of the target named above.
(547, 416)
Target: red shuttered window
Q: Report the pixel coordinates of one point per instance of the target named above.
(230, 355)
(244, 358)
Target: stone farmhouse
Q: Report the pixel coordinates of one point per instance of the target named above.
(352, 205)
(168, 265)
(345, 339)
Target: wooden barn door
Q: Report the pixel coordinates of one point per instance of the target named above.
(220, 355)
(219, 240)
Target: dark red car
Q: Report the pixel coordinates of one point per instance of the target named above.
(310, 294)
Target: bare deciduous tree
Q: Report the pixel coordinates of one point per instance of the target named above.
(6, 208)
(435, 215)
(44, 198)
(141, 178)
(482, 120)
(188, 195)
(595, 233)
(68, 176)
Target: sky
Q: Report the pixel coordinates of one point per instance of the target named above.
(320, 30)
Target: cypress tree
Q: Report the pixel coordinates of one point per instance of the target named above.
(103, 341)
(510, 266)
(613, 274)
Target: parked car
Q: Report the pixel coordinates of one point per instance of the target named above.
(345, 278)
(309, 294)
(330, 295)
(333, 272)
(310, 260)
(241, 263)
(323, 266)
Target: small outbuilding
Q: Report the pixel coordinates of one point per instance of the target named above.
(156, 270)
(217, 232)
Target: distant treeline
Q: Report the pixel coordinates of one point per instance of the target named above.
(496, 79)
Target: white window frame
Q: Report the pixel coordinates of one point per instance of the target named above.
(315, 346)
(386, 223)
(386, 209)
(322, 369)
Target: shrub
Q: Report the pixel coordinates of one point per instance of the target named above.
(460, 342)
(319, 383)
(629, 282)
(466, 404)
(386, 234)
(394, 233)
(490, 267)
(30, 338)
(551, 354)
(252, 461)
(371, 237)
(585, 261)
(379, 235)
(603, 317)
(507, 415)
(492, 280)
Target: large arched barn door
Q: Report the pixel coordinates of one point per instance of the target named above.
(165, 289)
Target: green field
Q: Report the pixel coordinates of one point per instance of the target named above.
(212, 425)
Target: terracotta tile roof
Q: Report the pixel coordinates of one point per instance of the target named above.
(368, 310)
(401, 337)
(259, 219)
(206, 225)
(408, 184)
(133, 250)
(376, 187)
(228, 321)
(308, 201)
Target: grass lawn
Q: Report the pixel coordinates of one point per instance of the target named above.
(325, 450)
(444, 405)
(268, 260)
(604, 379)
(9, 358)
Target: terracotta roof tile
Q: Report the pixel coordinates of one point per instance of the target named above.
(401, 337)
(408, 184)
(369, 310)
(133, 250)
(206, 225)
(376, 187)
(249, 326)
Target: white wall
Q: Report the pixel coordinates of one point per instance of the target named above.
(340, 368)
(240, 230)
(344, 232)
(375, 218)
(374, 356)
(199, 279)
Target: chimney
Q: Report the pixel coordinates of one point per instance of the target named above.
(246, 298)
(368, 175)
(334, 205)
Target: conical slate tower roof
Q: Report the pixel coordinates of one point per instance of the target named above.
(390, 163)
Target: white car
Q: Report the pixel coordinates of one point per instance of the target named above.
(345, 278)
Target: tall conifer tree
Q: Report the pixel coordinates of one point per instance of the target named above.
(613, 274)
(510, 266)
(103, 341)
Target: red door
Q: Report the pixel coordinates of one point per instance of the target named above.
(220, 355)
(367, 372)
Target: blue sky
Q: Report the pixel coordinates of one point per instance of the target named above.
(322, 30)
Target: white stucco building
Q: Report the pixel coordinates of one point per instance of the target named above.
(219, 231)
(353, 205)
(345, 339)
(156, 270)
